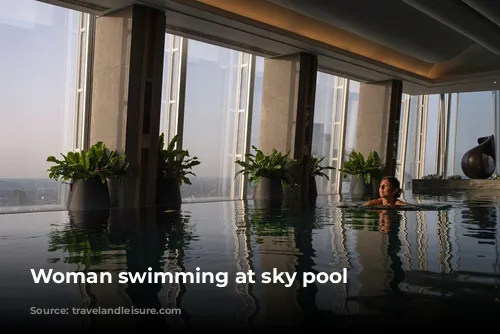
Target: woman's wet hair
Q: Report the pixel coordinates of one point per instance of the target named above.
(394, 182)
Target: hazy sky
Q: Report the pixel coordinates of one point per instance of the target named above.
(210, 93)
(38, 64)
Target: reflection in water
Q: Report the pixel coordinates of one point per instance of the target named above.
(389, 222)
(135, 241)
(480, 221)
(402, 266)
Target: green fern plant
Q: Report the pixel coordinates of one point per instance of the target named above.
(97, 162)
(275, 165)
(317, 169)
(175, 163)
(358, 166)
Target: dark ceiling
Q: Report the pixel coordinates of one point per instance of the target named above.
(432, 45)
(392, 23)
(456, 36)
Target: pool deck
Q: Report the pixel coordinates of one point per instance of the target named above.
(438, 185)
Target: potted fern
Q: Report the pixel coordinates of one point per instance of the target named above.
(317, 170)
(269, 172)
(174, 166)
(87, 173)
(364, 172)
(117, 172)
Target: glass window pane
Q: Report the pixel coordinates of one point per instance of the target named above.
(165, 97)
(322, 129)
(411, 142)
(257, 100)
(244, 87)
(451, 137)
(350, 127)
(431, 139)
(475, 120)
(209, 122)
(38, 66)
(352, 116)
(257, 104)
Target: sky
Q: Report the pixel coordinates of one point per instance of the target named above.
(38, 65)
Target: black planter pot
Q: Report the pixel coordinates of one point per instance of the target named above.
(268, 193)
(89, 194)
(114, 190)
(358, 188)
(313, 189)
(168, 193)
(92, 221)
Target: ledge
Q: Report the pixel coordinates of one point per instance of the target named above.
(437, 185)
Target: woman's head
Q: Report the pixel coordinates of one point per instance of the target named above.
(389, 187)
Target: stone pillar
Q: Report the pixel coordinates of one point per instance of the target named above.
(126, 95)
(378, 121)
(287, 113)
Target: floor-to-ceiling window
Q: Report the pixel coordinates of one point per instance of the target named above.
(209, 118)
(324, 127)
(256, 103)
(475, 119)
(38, 66)
(334, 129)
(402, 138)
(206, 102)
(409, 170)
(352, 116)
(430, 155)
(350, 128)
(452, 134)
(442, 128)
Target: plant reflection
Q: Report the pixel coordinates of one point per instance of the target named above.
(147, 238)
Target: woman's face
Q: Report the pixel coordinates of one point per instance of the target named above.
(386, 190)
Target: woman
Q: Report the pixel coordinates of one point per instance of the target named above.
(389, 191)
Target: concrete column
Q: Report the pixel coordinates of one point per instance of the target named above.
(287, 113)
(126, 95)
(378, 121)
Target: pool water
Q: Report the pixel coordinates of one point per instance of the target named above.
(404, 268)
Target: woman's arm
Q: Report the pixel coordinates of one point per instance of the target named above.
(373, 202)
(401, 203)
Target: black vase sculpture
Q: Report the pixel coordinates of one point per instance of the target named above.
(479, 162)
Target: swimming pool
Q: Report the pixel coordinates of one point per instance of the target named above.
(408, 268)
